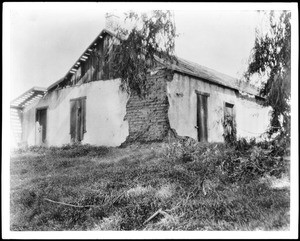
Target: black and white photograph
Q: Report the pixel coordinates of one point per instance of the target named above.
(152, 117)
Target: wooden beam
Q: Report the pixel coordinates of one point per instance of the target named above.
(16, 107)
(202, 93)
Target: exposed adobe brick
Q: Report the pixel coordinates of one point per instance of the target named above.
(148, 118)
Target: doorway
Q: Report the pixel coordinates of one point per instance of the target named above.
(202, 116)
(41, 126)
(77, 119)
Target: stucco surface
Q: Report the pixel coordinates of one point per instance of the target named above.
(251, 118)
(105, 111)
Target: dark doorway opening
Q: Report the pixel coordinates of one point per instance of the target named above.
(77, 119)
(41, 126)
(202, 116)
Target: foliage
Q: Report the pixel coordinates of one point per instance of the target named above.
(241, 161)
(271, 56)
(152, 36)
(229, 125)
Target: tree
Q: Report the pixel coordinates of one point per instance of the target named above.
(151, 36)
(271, 56)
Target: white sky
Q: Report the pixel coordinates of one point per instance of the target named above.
(46, 39)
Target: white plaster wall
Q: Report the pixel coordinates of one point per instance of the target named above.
(13, 141)
(105, 111)
(251, 118)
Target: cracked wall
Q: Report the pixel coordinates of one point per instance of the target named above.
(252, 119)
(112, 118)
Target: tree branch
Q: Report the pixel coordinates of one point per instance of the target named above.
(71, 205)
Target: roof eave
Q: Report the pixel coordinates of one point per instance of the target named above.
(210, 81)
(27, 97)
(104, 31)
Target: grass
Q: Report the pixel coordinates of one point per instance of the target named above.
(197, 187)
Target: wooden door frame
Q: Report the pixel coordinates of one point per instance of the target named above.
(84, 130)
(46, 122)
(206, 117)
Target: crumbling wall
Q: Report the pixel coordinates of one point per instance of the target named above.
(148, 117)
(251, 118)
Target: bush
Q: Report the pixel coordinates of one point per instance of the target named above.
(241, 161)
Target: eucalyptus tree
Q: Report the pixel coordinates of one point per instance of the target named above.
(271, 57)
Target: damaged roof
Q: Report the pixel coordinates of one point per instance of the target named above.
(84, 56)
(181, 66)
(28, 97)
(196, 70)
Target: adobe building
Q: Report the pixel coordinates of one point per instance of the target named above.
(87, 105)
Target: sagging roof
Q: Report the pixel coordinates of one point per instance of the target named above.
(182, 66)
(196, 70)
(28, 97)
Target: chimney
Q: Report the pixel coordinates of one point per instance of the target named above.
(112, 21)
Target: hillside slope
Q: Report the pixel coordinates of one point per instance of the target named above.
(154, 186)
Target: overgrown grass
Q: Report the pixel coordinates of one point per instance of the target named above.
(196, 187)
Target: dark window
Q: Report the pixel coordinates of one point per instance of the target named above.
(228, 109)
(77, 119)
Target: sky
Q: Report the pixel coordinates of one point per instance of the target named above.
(47, 38)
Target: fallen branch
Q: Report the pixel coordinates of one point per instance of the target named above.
(116, 199)
(159, 211)
(71, 205)
(203, 187)
(155, 214)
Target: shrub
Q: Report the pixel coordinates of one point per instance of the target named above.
(229, 125)
(241, 161)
